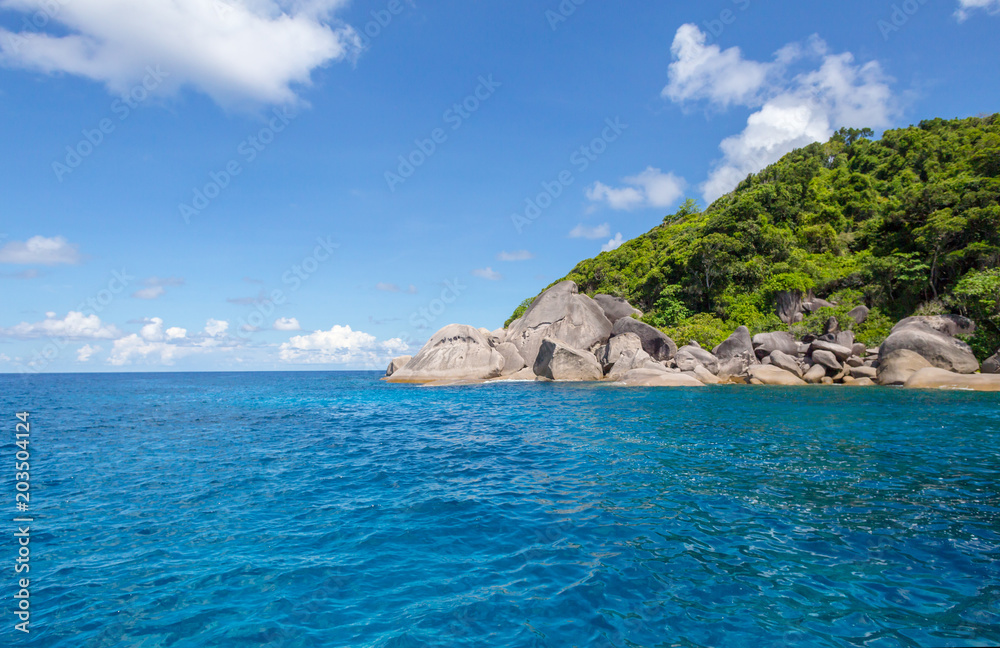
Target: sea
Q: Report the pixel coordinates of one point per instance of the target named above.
(331, 509)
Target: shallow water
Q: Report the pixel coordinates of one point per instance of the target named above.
(329, 509)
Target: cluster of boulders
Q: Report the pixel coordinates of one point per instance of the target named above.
(567, 336)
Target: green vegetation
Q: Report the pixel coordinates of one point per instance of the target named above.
(909, 223)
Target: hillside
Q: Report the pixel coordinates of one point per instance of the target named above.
(906, 224)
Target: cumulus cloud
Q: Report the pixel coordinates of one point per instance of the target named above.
(801, 97)
(39, 250)
(966, 7)
(216, 328)
(74, 326)
(339, 345)
(134, 347)
(613, 244)
(287, 324)
(158, 344)
(234, 51)
(651, 188)
(487, 273)
(517, 255)
(84, 353)
(584, 231)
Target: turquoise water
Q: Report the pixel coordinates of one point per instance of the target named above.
(329, 509)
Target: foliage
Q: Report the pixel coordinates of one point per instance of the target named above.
(705, 329)
(518, 312)
(977, 295)
(911, 219)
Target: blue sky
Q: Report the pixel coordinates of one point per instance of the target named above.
(321, 184)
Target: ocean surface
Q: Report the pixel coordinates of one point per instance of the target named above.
(330, 509)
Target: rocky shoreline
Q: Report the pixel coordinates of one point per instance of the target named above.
(567, 336)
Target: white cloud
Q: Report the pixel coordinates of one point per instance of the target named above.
(216, 328)
(395, 346)
(807, 108)
(40, 250)
(387, 287)
(651, 188)
(487, 273)
(701, 71)
(613, 244)
(583, 231)
(339, 345)
(149, 292)
(287, 324)
(4, 357)
(133, 347)
(84, 353)
(176, 333)
(232, 50)
(965, 7)
(75, 326)
(517, 255)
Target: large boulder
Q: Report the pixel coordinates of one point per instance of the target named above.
(616, 308)
(948, 324)
(788, 306)
(784, 361)
(991, 365)
(934, 378)
(772, 375)
(609, 354)
(396, 364)
(924, 335)
(765, 343)
(654, 378)
(560, 313)
(896, 368)
(859, 314)
(654, 342)
(704, 375)
(456, 352)
(735, 354)
(815, 374)
(633, 359)
(512, 360)
(841, 352)
(827, 360)
(815, 303)
(558, 361)
(690, 356)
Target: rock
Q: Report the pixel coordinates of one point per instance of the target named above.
(859, 314)
(558, 361)
(897, 367)
(863, 372)
(855, 361)
(609, 354)
(500, 335)
(633, 358)
(688, 357)
(935, 378)
(947, 324)
(844, 339)
(826, 359)
(847, 380)
(653, 378)
(814, 374)
(832, 326)
(456, 352)
(784, 361)
(512, 360)
(616, 308)
(859, 350)
(526, 374)
(991, 365)
(766, 360)
(814, 304)
(872, 352)
(765, 343)
(397, 364)
(705, 376)
(827, 380)
(788, 306)
(694, 343)
(773, 375)
(864, 382)
(938, 348)
(735, 354)
(841, 352)
(560, 313)
(654, 342)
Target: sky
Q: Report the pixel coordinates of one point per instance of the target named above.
(229, 185)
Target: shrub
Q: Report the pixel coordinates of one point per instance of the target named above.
(705, 329)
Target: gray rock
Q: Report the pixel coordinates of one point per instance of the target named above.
(832, 326)
(896, 368)
(557, 361)
(654, 342)
(788, 306)
(859, 350)
(991, 365)
(456, 352)
(814, 304)
(940, 349)
(784, 361)
(947, 324)
(841, 352)
(859, 314)
(512, 360)
(688, 357)
(863, 372)
(735, 354)
(609, 353)
(772, 375)
(826, 359)
(844, 339)
(500, 335)
(653, 378)
(765, 343)
(934, 378)
(560, 313)
(704, 375)
(397, 364)
(633, 358)
(616, 308)
(855, 361)
(524, 374)
(815, 374)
